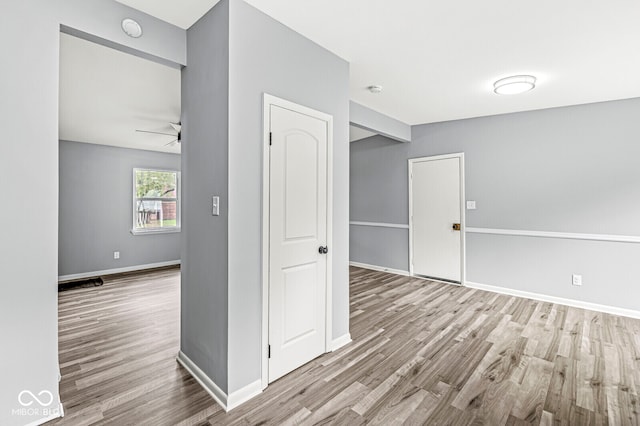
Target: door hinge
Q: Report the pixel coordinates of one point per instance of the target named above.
(268, 351)
(270, 138)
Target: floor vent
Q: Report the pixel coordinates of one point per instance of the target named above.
(86, 283)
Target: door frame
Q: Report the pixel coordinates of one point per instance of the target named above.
(267, 101)
(463, 238)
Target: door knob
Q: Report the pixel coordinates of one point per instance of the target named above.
(456, 226)
(323, 250)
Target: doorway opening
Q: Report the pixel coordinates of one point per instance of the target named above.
(119, 227)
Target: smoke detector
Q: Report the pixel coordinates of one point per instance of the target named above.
(131, 28)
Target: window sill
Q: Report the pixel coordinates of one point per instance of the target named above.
(155, 231)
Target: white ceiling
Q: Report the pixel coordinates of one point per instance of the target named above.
(105, 95)
(183, 13)
(437, 60)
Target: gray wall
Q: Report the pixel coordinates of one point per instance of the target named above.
(95, 209)
(205, 116)
(236, 54)
(268, 57)
(378, 193)
(374, 245)
(29, 102)
(571, 169)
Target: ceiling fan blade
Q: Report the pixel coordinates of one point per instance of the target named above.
(155, 133)
(176, 126)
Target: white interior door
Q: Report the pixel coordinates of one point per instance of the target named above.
(297, 230)
(436, 211)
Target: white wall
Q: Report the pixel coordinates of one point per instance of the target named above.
(29, 164)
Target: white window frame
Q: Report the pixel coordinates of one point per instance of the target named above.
(134, 205)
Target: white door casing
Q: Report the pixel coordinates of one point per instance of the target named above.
(298, 225)
(436, 203)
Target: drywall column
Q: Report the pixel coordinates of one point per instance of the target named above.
(205, 147)
(236, 54)
(28, 253)
(267, 57)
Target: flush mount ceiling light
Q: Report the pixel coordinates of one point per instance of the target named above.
(131, 28)
(375, 89)
(514, 84)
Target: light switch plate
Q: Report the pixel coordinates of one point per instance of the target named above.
(215, 206)
(471, 205)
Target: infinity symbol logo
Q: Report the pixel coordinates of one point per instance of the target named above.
(26, 398)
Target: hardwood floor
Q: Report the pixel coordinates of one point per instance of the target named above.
(422, 353)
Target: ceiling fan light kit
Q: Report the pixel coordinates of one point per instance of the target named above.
(514, 85)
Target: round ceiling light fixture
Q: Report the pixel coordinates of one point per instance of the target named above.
(131, 28)
(375, 88)
(514, 85)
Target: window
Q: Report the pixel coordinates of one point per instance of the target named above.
(156, 202)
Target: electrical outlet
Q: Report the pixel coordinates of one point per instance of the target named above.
(576, 279)
(116, 255)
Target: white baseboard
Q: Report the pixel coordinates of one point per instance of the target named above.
(117, 270)
(559, 300)
(518, 293)
(380, 268)
(227, 402)
(244, 394)
(380, 224)
(216, 393)
(58, 414)
(340, 342)
(399, 272)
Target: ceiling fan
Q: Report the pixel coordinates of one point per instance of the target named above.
(176, 126)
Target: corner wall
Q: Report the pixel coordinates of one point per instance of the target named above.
(570, 170)
(205, 147)
(96, 194)
(236, 54)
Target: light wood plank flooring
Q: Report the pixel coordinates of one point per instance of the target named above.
(422, 353)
